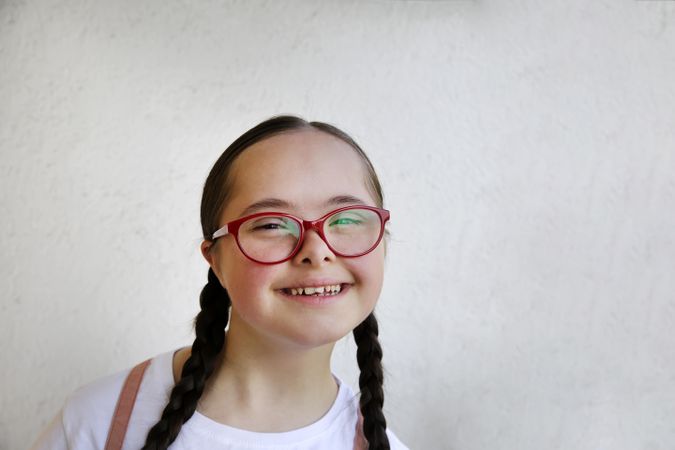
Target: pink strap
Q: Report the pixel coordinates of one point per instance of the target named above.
(125, 405)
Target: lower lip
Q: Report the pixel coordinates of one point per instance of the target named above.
(318, 300)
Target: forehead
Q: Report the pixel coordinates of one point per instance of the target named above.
(305, 168)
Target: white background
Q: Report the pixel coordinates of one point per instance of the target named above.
(527, 152)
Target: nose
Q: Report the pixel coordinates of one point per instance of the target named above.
(314, 250)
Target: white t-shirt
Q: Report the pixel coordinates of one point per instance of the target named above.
(84, 420)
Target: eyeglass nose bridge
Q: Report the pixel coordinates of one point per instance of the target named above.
(309, 225)
(316, 225)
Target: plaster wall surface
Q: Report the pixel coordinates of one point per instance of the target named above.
(527, 153)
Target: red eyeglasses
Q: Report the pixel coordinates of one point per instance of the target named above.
(273, 237)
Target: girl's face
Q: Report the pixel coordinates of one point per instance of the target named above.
(301, 172)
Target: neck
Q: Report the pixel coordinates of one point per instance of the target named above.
(261, 384)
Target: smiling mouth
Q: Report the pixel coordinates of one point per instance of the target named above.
(315, 291)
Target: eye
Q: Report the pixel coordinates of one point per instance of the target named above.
(346, 218)
(268, 224)
(345, 221)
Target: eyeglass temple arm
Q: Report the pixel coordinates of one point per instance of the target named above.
(220, 233)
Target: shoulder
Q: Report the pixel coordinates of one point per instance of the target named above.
(88, 411)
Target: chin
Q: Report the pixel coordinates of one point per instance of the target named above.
(312, 336)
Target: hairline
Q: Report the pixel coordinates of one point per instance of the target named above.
(229, 180)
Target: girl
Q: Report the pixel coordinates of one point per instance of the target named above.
(293, 225)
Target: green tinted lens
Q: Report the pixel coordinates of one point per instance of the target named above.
(353, 231)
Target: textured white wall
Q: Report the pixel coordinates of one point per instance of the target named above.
(527, 151)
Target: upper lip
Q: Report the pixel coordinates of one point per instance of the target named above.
(314, 282)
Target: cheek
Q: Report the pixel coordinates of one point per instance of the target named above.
(248, 285)
(243, 278)
(248, 280)
(369, 273)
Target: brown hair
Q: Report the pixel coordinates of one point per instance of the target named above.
(215, 302)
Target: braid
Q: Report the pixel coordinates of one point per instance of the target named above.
(369, 357)
(210, 331)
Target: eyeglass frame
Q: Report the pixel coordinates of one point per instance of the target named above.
(233, 226)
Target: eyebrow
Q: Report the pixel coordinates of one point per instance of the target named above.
(278, 203)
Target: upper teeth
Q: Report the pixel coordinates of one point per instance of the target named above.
(332, 288)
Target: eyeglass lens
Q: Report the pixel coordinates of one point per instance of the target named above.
(273, 238)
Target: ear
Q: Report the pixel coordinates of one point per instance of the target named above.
(206, 247)
(209, 254)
